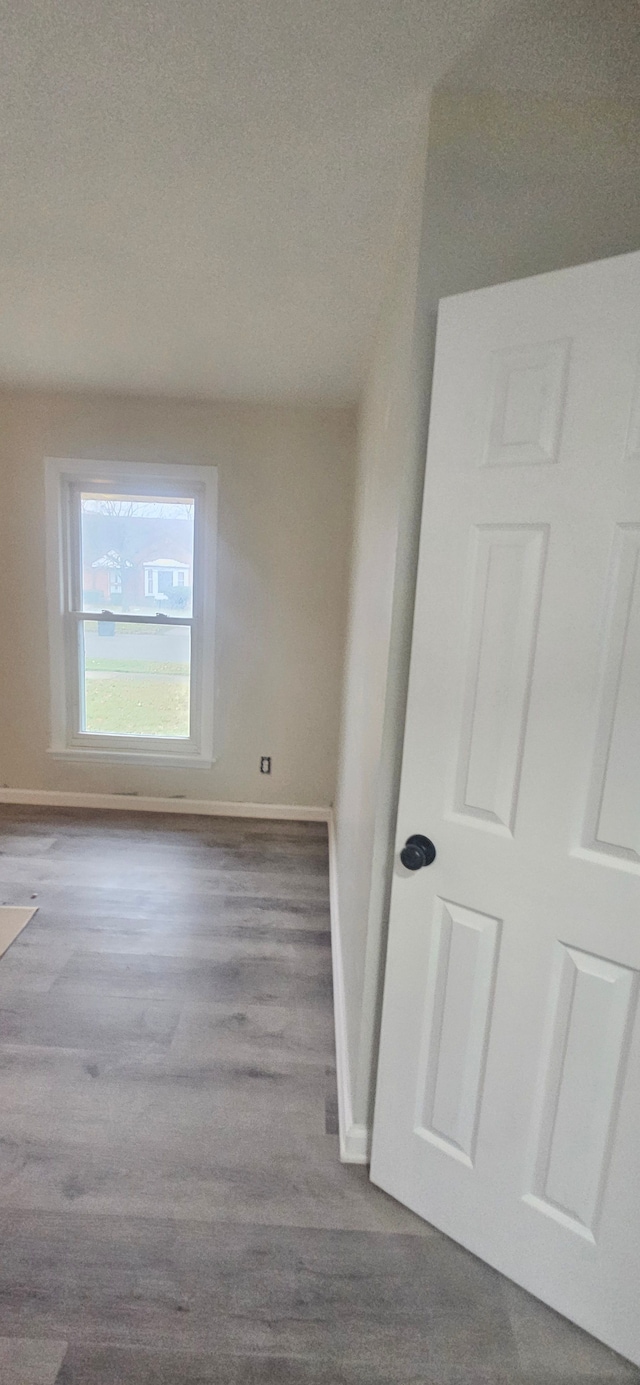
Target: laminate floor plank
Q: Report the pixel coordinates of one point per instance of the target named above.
(113, 1365)
(81, 1021)
(92, 923)
(172, 1206)
(268, 979)
(225, 1287)
(30, 1362)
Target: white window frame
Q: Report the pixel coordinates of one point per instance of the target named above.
(63, 480)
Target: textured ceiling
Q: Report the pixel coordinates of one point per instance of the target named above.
(199, 196)
(583, 50)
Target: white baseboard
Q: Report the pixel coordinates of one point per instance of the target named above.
(354, 1138)
(137, 803)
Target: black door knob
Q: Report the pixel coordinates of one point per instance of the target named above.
(417, 852)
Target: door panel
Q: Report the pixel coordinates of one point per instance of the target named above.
(614, 808)
(508, 1097)
(591, 1004)
(527, 403)
(461, 971)
(505, 595)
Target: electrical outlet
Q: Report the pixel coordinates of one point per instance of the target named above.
(265, 764)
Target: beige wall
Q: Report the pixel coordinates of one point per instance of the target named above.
(532, 164)
(285, 497)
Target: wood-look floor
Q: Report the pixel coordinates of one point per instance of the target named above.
(172, 1206)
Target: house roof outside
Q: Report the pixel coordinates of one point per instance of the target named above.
(167, 563)
(112, 559)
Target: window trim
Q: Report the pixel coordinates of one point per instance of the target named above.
(63, 476)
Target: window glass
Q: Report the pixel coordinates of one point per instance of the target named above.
(135, 679)
(137, 554)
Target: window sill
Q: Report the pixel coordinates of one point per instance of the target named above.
(131, 757)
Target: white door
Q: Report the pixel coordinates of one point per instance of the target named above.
(508, 1099)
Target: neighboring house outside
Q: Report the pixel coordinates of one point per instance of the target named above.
(147, 564)
(104, 577)
(163, 575)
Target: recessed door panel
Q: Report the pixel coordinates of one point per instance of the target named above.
(505, 599)
(462, 967)
(613, 818)
(527, 402)
(590, 1010)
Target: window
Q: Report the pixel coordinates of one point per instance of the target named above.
(131, 563)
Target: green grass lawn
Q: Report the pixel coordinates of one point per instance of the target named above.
(141, 706)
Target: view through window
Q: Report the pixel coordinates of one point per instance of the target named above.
(136, 563)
